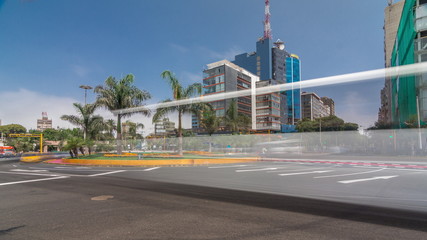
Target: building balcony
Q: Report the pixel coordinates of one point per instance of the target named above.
(421, 18)
(420, 46)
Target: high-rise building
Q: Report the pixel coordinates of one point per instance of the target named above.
(224, 76)
(271, 61)
(44, 122)
(293, 75)
(313, 107)
(410, 46)
(269, 109)
(164, 127)
(330, 103)
(392, 14)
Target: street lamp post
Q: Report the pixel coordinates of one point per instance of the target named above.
(85, 87)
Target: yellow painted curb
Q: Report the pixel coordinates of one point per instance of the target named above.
(155, 162)
(31, 159)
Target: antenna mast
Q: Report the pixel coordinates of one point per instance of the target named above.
(267, 27)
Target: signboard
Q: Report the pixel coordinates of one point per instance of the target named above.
(24, 135)
(29, 135)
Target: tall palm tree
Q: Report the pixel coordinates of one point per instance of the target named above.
(180, 93)
(121, 94)
(85, 119)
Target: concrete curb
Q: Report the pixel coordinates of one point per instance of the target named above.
(139, 163)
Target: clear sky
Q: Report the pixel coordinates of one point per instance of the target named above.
(48, 48)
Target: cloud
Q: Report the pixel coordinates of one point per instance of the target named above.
(80, 70)
(25, 107)
(178, 47)
(356, 108)
(218, 55)
(191, 78)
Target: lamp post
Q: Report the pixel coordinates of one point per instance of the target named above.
(85, 87)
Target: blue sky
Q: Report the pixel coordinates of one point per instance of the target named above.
(48, 47)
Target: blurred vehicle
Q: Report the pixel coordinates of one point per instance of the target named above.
(284, 146)
(7, 151)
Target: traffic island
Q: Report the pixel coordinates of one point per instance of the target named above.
(151, 159)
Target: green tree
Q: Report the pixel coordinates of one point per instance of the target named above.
(85, 119)
(234, 120)
(180, 93)
(73, 145)
(210, 122)
(12, 128)
(121, 94)
(325, 124)
(110, 127)
(132, 129)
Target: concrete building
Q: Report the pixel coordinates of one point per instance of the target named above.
(44, 122)
(330, 103)
(405, 95)
(313, 106)
(164, 127)
(224, 76)
(270, 110)
(392, 14)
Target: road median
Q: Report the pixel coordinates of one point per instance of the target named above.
(159, 162)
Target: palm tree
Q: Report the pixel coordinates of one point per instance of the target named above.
(210, 122)
(85, 119)
(110, 127)
(180, 93)
(234, 120)
(132, 129)
(73, 145)
(121, 94)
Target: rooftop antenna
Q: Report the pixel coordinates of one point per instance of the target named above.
(267, 27)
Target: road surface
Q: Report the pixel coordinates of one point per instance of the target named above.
(262, 200)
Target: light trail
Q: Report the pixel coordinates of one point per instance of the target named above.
(400, 71)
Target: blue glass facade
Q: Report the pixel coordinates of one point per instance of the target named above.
(293, 75)
(259, 62)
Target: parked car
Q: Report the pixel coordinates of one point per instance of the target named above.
(7, 151)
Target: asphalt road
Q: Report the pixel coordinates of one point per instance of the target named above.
(263, 200)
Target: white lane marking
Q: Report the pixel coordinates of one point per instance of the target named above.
(256, 170)
(34, 180)
(106, 173)
(368, 179)
(230, 166)
(32, 174)
(150, 169)
(301, 173)
(308, 169)
(73, 167)
(26, 170)
(367, 167)
(14, 165)
(349, 174)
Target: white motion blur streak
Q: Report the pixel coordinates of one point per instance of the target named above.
(406, 70)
